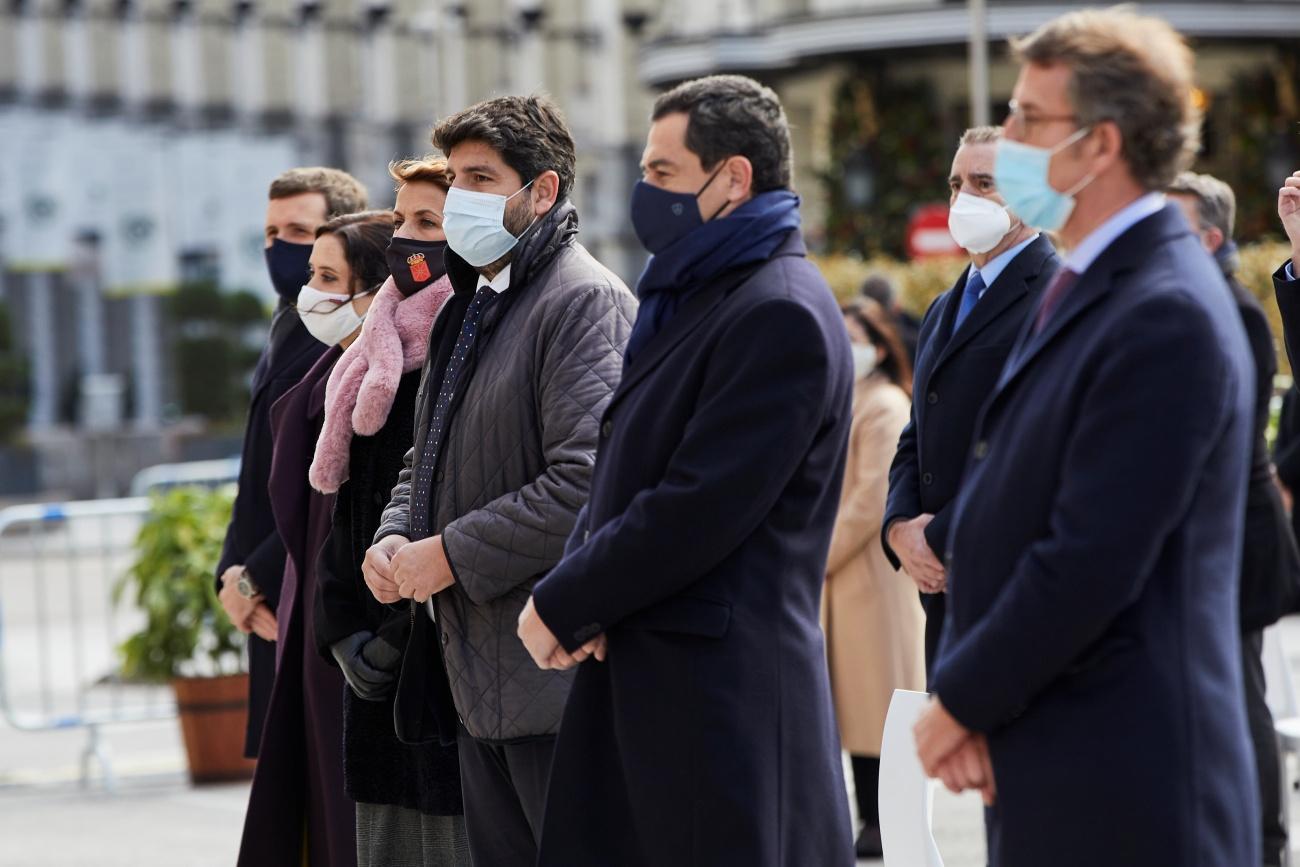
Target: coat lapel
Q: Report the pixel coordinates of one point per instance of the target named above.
(1128, 251)
(1009, 287)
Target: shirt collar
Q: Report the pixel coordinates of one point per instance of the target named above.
(1081, 257)
(994, 267)
(498, 284)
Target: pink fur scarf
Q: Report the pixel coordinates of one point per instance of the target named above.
(394, 339)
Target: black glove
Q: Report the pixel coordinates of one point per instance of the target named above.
(368, 663)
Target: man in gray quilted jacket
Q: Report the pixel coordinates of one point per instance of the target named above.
(522, 362)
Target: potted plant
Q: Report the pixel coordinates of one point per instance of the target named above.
(186, 638)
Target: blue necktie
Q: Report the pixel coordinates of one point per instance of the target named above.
(969, 295)
(421, 504)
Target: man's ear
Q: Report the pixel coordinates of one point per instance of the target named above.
(1213, 238)
(739, 177)
(1108, 145)
(546, 192)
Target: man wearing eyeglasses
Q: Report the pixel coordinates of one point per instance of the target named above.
(1089, 678)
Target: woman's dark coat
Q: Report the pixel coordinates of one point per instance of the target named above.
(299, 777)
(377, 767)
(251, 538)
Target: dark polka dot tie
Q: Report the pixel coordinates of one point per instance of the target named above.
(422, 483)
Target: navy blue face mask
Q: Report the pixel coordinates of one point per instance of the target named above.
(288, 264)
(661, 217)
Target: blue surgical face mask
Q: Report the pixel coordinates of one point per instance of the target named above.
(1020, 172)
(475, 225)
(661, 217)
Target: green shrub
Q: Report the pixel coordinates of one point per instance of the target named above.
(186, 632)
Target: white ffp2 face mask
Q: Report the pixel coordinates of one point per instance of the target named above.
(977, 224)
(329, 317)
(865, 357)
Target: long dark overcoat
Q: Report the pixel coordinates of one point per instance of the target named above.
(299, 776)
(1092, 627)
(708, 736)
(251, 538)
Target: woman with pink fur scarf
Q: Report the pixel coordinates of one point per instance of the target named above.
(409, 808)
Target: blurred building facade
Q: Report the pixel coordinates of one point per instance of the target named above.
(138, 137)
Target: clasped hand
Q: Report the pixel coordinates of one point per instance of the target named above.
(953, 753)
(545, 648)
(396, 568)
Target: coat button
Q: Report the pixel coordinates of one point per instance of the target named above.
(928, 478)
(981, 450)
(932, 398)
(445, 639)
(607, 429)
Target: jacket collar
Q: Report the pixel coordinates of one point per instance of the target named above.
(288, 344)
(695, 312)
(1009, 287)
(1127, 252)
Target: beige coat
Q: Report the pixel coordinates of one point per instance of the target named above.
(872, 615)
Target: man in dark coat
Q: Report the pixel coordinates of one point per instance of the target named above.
(966, 336)
(252, 557)
(707, 737)
(1286, 280)
(1089, 677)
(522, 361)
(1270, 564)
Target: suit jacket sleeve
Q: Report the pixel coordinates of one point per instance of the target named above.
(521, 535)
(1147, 423)
(1288, 304)
(758, 413)
(1287, 457)
(904, 501)
(862, 505)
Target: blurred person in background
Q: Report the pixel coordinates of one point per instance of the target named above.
(880, 289)
(298, 810)
(1270, 564)
(1090, 665)
(409, 806)
(252, 558)
(966, 336)
(875, 628)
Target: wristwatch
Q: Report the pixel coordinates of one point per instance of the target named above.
(246, 587)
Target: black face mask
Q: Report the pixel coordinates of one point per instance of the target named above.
(288, 266)
(415, 264)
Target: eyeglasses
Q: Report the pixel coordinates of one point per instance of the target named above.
(1018, 120)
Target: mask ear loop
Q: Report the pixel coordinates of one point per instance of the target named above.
(716, 172)
(1078, 136)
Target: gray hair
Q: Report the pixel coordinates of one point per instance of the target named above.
(978, 135)
(1215, 201)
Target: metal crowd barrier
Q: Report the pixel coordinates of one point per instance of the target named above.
(207, 473)
(59, 630)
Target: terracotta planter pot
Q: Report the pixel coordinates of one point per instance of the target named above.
(214, 713)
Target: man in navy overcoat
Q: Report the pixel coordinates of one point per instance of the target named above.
(706, 736)
(1089, 676)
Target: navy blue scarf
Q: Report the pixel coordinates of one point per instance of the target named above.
(749, 234)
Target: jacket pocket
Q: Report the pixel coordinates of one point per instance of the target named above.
(691, 615)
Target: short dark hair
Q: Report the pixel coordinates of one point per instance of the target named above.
(365, 237)
(529, 132)
(880, 289)
(343, 193)
(732, 115)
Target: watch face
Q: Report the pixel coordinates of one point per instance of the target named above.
(246, 588)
